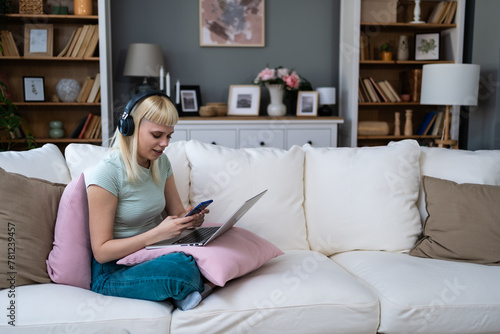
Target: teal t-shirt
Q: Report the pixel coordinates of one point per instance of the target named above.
(140, 204)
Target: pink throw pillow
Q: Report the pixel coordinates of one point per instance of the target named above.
(69, 262)
(233, 254)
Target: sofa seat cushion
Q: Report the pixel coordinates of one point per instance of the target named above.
(420, 295)
(54, 308)
(46, 162)
(299, 292)
(231, 176)
(362, 198)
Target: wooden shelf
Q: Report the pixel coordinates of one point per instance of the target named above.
(404, 62)
(54, 18)
(400, 26)
(57, 104)
(55, 141)
(58, 59)
(396, 137)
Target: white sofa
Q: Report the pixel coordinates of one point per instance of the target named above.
(345, 219)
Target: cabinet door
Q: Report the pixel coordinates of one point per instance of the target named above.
(179, 135)
(316, 137)
(262, 138)
(216, 136)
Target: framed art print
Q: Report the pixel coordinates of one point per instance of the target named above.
(307, 103)
(38, 40)
(427, 46)
(232, 23)
(244, 100)
(190, 97)
(34, 89)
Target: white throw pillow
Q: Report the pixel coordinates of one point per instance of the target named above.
(362, 198)
(82, 158)
(46, 162)
(231, 176)
(460, 166)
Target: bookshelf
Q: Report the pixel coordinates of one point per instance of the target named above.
(360, 58)
(53, 68)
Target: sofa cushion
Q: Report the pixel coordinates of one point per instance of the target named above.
(57, 308)
(69, 261)
(28, 211)
(419, 295)
(463, 222)
(46, 162)
(461, 166)
(233, 254)
(299, 292)
(81, 158)
(231, 176)
(362, 198)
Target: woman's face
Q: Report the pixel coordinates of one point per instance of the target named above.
(152, 139)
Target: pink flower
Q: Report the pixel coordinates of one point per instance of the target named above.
(283, 72)
(292, 80)
(267, 74)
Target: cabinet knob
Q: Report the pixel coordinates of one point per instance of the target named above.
(310, 142)
(262, 143)
(213, 143)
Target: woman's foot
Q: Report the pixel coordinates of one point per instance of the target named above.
(194, 298)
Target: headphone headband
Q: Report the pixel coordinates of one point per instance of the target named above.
(126, 123)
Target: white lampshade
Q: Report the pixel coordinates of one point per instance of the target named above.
(326, 95)
(143, 60)
(450, 84)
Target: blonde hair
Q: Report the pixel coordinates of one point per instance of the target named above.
(157, 109)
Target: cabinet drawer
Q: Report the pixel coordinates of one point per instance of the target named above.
(179, 135)
(216, 136)
(262, 138)
(315, 137)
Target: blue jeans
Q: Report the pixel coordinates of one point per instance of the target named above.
(173, 275)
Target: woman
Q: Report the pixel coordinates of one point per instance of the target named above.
(127, 193)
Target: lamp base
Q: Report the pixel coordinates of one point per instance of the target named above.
(327, 110)
(447, 142)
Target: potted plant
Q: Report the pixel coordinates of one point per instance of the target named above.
(386, 51)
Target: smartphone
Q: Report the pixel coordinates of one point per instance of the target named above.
(199, 208)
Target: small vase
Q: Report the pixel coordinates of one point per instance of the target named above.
(83, 7)
(403, 48)
(276, 107)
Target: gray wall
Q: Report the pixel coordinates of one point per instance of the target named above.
(484, 121)
(300, 34)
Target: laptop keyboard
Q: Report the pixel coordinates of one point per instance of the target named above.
(197, 236)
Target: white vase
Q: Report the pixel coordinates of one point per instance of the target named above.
(403, 53)
(276, 107)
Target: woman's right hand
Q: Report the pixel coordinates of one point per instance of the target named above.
(173, 226)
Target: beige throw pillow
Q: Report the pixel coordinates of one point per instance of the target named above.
(463, 222)
(28, 211)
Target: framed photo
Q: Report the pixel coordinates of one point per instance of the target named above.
(232, 23)
(38, 40)
(307, 103)
(190, 97)
(244, 100)
(427, 46)
(34, 89)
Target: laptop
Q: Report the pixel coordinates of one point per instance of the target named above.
(201, 236)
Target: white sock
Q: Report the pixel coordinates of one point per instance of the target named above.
(191, 300)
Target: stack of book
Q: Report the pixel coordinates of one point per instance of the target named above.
(82, 43)
(8, 44)
(432, 124)
(91, 90)
(443, 12)
(371, 90)
(88, 128)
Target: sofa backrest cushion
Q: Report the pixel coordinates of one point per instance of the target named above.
(460, 166)
(28, 210)
(362, 198)
(231, 176)
(46, 162)
(82, 158)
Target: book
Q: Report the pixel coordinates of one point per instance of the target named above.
(393, 91)
(91, 127)
(83, 89)
(85, 126)
(8, 44)
(68, 44)
(382, 84)
(93, 43)
(79, 128)
(371, 90)
(444, 12)
(451, 13)
(88, 88)
(382, 96)
(364, 53)
(74, 40)
(436, 12)
(95, 88)
(86, 41)
(426, 123)
(437, 127)
(79, 43)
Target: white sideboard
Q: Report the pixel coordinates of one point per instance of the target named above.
(246, 132)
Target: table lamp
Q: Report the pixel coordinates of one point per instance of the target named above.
(449, 84)
(326, 100)
(143, 60)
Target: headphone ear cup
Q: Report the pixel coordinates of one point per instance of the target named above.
(127, 126)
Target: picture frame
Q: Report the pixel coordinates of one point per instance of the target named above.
(228, 24)
(190, 100)
(307, 103)
(244, 100)
(38, 40)
(427, 46)
(34, 89)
